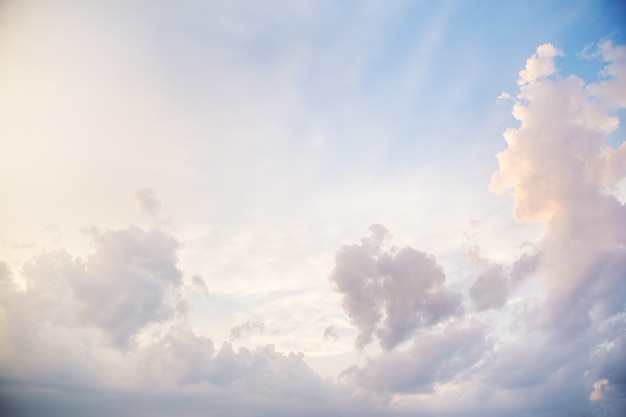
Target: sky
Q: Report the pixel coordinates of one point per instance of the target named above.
(342, 208)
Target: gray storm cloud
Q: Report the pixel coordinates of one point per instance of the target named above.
(391, 294)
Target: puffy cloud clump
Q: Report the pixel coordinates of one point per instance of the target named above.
(130, 281)
(148, 202)
(560, 172)
(106, 329)
(391, 294)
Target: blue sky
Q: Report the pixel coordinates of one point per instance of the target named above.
(306, 208)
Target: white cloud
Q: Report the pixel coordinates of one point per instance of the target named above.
(148, 202)
(540, 65)
(274, 133)
(391, 294)
(128, 282)
(612, 89)
(433, 358)
(556, 167)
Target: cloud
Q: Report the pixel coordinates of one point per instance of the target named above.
(5, 273)
(526, 265)
(391, 294)
(597, 390)
(331, 332)
(558, 168)
(558, 117)
(198, 284)
(612, 89)
(125, 283)
(568, 345)
(129, 281)
(182, 372)
(237, 332)
(106, 333)
(490, 289)
(540, 65)
(433, 358)
(148, 202)
(59, 338)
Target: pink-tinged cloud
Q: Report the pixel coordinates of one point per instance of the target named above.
(391, 294)
(131, 280)
(559, 171)
(148, 202)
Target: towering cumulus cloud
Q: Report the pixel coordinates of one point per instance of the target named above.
(391, 294)
(560, 172)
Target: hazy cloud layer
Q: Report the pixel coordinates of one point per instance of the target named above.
(274, 133)
(114, 324)
(110, 328)
(434, 358)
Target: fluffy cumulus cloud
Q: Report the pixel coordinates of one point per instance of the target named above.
(113, 328)
(567, 350)
(391, 294)
(331, 332)
(490, 289)
(5, 273)
(130, 282)
(560, 172)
